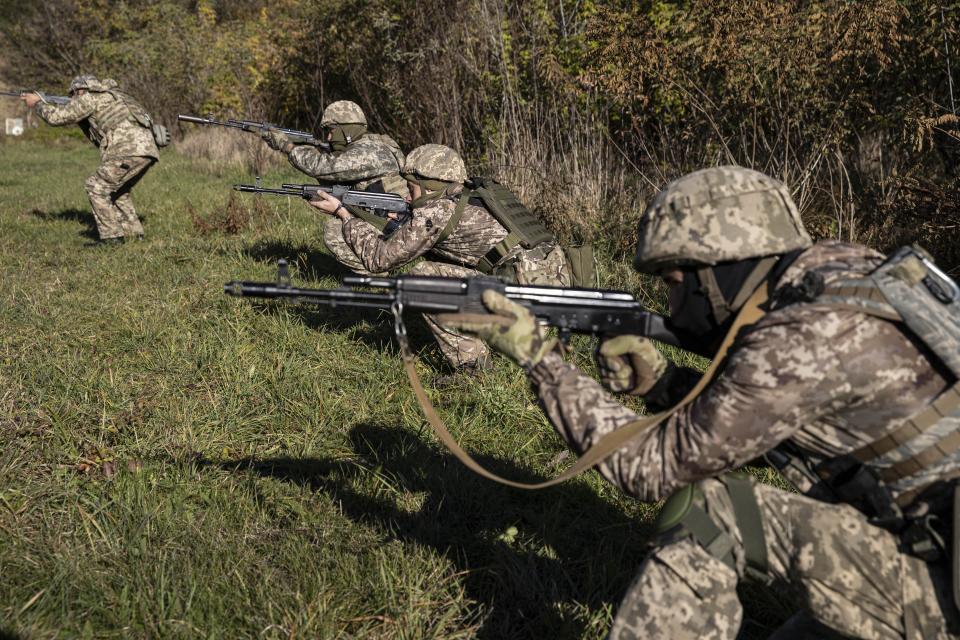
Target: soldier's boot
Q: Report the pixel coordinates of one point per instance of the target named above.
(132, 227)
(106, 215)
(105, 243)
(333, 239)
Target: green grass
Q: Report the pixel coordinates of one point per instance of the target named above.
(177, 463)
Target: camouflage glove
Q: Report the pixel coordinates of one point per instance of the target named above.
(275, 139)
(630, 364)
(512, 330)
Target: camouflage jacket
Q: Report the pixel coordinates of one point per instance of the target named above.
(363, 162)
(473, 237)
(124, 139)
(828, 381)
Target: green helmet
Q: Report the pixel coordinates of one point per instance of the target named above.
(343, 112)
(436, 162)
(720, 214)
(83, 82)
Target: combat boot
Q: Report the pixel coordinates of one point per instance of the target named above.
(105, 242)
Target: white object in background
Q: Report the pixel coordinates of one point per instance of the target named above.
(14, 126)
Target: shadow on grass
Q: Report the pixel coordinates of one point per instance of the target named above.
(521, 554)
(73, 214)
(7, 634)
(309, 263)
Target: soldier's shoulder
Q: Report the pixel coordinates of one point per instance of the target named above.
(832, 260)
(438, 207)
(376, 141)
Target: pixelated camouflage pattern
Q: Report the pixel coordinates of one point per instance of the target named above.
(337, 245)
(363, 248)
(109, 192)
(825, 556)
(830, 381)
(436, 162)
(95, 112)
(717, 215)
(363, 162)
(342, 112)
(83, 82)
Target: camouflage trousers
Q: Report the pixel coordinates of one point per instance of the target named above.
(333, 239)
(848, 577)
(530, 267)
(109, 193)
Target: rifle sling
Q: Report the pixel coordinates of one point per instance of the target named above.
(608, 444)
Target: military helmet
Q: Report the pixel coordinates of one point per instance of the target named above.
(720, 214)
(83, 82)
(343, 112)
(436, 162)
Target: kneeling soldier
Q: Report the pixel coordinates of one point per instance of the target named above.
(358, 159)
(838, 365)
(467, 228)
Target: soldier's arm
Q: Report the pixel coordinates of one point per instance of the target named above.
(778, 378)
(76, 110)
(352, 165)
(410, 241)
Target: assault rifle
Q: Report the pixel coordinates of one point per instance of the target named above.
(380, 203)
(45, 96)
(297, 137)
(586, 311)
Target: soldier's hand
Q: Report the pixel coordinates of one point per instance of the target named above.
(510, 329)
(629, 364)
(326, 203)
(31, 99)
(276, 139)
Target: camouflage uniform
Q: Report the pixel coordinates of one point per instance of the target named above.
(822, 380)
(366, 161)
(127, 150)
(460, 251)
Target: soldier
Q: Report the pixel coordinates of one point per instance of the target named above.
(460, 234)
(358, 159)
(838, 366)
(122, 129)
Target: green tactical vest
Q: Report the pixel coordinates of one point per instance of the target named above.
(523, 227)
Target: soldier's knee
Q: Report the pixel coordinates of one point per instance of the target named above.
(95, 186)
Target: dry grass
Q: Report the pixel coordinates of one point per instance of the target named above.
(228, 149)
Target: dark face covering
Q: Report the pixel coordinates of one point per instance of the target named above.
(693, 319)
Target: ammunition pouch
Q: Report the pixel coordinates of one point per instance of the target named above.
(681, 517)
(161, 135)
(583, 265)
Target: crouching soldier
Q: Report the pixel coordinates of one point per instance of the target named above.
(465, 228)
(839, 365)
(127, 137)
(358, 159)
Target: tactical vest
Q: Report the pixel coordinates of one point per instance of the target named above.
(123, 108)
(884, 477)
(523, 227)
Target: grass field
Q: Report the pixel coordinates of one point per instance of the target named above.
(177, 463)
